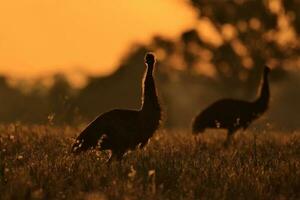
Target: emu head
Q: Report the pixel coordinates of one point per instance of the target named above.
(149, 59)
(267, 70)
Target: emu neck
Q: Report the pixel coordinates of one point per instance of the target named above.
(262, 101)
(150, 99)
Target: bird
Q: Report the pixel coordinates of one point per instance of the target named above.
(121, 130)
(232, 114)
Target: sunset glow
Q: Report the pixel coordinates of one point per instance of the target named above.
(81, 37)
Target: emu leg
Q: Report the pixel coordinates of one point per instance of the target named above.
(229, 138)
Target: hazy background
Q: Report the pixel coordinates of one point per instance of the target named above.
(65, 61)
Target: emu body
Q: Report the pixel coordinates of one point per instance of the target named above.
(122, 130)
(234, 114)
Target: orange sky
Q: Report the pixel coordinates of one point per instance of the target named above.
(39, 37)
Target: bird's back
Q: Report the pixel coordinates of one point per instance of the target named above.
(119, 117)
(116, 124)
(224, 114)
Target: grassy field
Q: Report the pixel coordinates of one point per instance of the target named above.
(35, 163)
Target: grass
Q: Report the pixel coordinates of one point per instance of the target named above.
(35, 163)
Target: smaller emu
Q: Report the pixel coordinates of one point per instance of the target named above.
(234, 114)
(122, 130)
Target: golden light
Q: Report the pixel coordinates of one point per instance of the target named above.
(209, 33)
(39, 38)
(229, 32)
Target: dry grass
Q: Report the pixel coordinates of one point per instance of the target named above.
(35, 163)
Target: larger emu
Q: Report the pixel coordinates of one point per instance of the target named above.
(234, 114)
(123, 130)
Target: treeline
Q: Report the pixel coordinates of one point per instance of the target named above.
(182, 94)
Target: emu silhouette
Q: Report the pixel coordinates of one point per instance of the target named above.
(122, 130)
(234, 114)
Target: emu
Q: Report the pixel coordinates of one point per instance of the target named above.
(121, 130)
(234, 114)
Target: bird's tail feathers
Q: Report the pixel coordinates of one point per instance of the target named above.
(87, 139)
